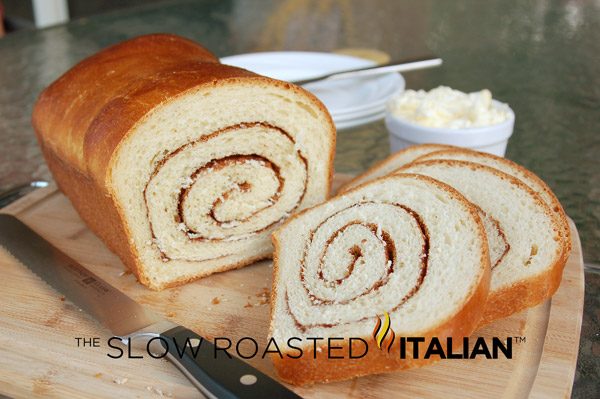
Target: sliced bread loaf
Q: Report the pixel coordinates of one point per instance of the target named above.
(525, 234)
(405, 245)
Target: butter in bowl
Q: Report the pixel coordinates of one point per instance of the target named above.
(447, 116)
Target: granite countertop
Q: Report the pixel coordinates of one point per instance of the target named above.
(543, 58)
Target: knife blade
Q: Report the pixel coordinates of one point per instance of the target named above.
(394, 66)
(216, 376)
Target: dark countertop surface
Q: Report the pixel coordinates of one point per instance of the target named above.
(542, 58)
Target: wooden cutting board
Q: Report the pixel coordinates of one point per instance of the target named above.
(39, 356)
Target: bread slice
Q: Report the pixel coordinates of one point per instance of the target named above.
(407, 245)
(515, 170)
(524, 233)
(393, 162)
(183, 166)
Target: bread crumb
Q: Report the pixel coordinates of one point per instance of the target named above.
(171, 314)
(215, 301)
(159, 392)
(62, 298)
(263, 296)
(264, 291)
(120, 381)
(97, 375)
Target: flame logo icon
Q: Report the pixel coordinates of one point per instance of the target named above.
(381, 331)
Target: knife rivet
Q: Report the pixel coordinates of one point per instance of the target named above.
(194, 342)
(248, 379)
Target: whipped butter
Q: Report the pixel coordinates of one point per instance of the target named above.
(444, 107)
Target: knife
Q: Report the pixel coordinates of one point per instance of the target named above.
(214, 372)
(394, 66)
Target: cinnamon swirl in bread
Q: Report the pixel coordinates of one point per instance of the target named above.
(182, 165)
(405, 245)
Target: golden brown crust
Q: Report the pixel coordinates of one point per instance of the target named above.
(306, 370)
(80, 124)
(534, 290)
(523, 294)
(95, 207)
(66, 109)
(389, 161)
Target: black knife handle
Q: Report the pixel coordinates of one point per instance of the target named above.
(216, 373)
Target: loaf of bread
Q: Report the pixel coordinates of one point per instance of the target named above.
(527, 246)
(181, 165)
(406, 246)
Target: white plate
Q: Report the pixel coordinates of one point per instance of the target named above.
(295, 65)
(347, 100)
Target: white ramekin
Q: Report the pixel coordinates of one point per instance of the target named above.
(492, 139)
